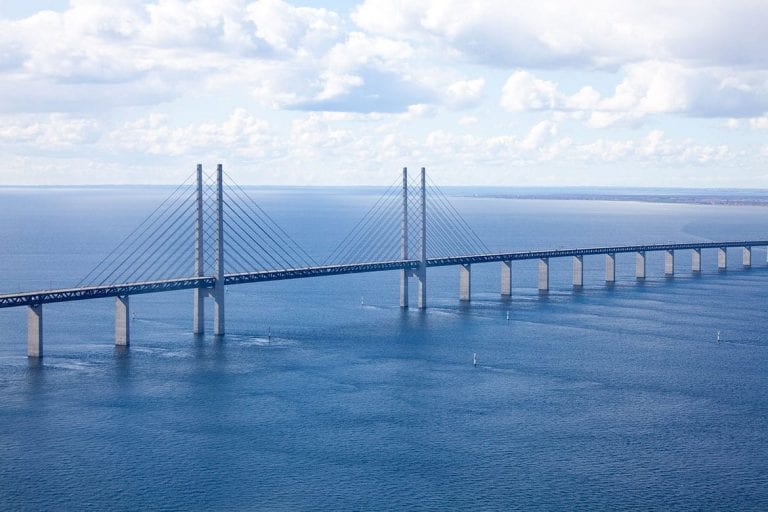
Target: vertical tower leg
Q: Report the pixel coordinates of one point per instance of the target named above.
(696, 261)
(122, 321)
(506, 278)
(640, 265)
(669, 263)
(722, 258)
(747, 257)
(218, 288)
(465, 282)
(610, 268)
(578, 271)
(35, 330)
(404, 242)
(198, 305)
(423, 244)
(544, 274)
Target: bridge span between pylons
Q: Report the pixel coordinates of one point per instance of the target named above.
(206, 236)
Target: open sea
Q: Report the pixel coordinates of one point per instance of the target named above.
(325, 395)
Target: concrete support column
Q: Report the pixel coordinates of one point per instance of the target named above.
(610, 268)
(423, 243)
(696, 260)
(465, 282)
(578, 271)
(640, 265)
(669, 263)
(404, 242)
(122, 321)
(747, 257)
(218, 287)
(544, 274)
(198, 299)
(35, 330)
(506, 278)
(722, 258)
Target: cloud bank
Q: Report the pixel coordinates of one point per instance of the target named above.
(498, 92)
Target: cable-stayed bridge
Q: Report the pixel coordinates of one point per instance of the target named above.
(209, 234)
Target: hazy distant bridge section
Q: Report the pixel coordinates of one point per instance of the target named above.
(205, 237)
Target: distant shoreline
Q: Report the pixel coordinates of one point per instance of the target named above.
(721, 200)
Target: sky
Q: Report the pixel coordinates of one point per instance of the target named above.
(494, 92)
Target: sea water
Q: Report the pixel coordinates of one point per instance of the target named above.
(325, 395)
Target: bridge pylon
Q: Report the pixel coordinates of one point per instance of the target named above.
(217, 293)
(404, 273)
(421, 271)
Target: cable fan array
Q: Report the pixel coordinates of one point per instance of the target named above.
(377, 235)
(253, 241)
(163, 245)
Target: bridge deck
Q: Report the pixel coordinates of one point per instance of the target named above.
(94, 292)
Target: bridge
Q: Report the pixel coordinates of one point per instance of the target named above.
(206, 236)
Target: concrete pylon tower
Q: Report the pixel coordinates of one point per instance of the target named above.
(422, 275)
(404, 243)
(198, 316)
(218, 288)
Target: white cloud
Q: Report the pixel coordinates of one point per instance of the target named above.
(541, 133)
(241, 134)
(654, 149)
(650, 87)
(464, 93)
(759, 123)
(101, 55)
(52, 131)
(523, 91)
(592, 33)
(311, 95)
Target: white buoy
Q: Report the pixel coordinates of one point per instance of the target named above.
(507, 316)
(474, 358)
(718, 336)
(362, 301)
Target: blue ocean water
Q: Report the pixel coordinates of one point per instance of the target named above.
(604, 398)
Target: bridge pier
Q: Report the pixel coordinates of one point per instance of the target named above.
(506, 278)
(422, 288)
(198, 310)
(122, 321)
(404, 288)
(610, 268)
(543, 274)
(747, 257)
(669, 263)
(696, 261)
(640, 265)
(35, 330)
(578, 271)
(722, 258)
(465, 282)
